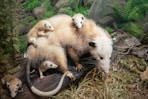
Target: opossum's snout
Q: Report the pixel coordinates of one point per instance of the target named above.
(13, 94)
(79, 21)
(13, 88)
(105, 64)
(101, 55)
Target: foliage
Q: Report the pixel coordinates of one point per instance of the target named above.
(77, 7)
(22, 43)
(109, 29)
(128, 15)
(7, 18)
(9, 37)
(31, 4)
(50, 9)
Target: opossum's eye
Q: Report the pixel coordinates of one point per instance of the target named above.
(82, 18)
(73, 19)
(51, 65)
(101, 58)
(17, 85)
(49, 27)
(15, 91)
(92, 44)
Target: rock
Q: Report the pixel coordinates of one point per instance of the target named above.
(61, 3)
(99, 9)
(88, 2)
(131, 45)
(132, 41)
(21, 1)
(63, 10)
(141, 52)
(39, 12)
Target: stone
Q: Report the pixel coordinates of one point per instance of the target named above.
(99, 10)
(61, 3)
(39, 12)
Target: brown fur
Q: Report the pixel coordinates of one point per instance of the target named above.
(50, 50)
(12, 83)
(39, 29)
(45, 66)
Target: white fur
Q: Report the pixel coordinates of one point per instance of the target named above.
(49, 64)
(103, 49)
(48, 26)
(78, 20)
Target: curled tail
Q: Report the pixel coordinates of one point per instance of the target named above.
(37, 91)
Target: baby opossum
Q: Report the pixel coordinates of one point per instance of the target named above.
(13, 84)
(45, 66)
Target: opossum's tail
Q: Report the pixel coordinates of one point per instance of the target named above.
(37, 91)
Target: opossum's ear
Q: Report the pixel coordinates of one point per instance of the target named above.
(82, 18)
(92, 44)
(8, 84)
(72, 19)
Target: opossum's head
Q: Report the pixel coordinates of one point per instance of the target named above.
(47, 25)
(49, 64)
(101, 49)
(78, 20)
(14, 86)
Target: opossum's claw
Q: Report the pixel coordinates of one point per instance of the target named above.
(79, 67)
(42, 77)
(70, 75)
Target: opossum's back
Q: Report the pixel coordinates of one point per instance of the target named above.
(46, 48)
(61, 22)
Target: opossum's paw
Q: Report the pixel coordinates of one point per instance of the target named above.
(33, 41)
(79, 67)
(25, 55)
(42, 77)
(70, 75)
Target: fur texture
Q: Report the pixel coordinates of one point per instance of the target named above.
(49, 50)
(90, 38)
(78, 20)
(12, 83)
(39, 29)
(45, 66)
(78, 40)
